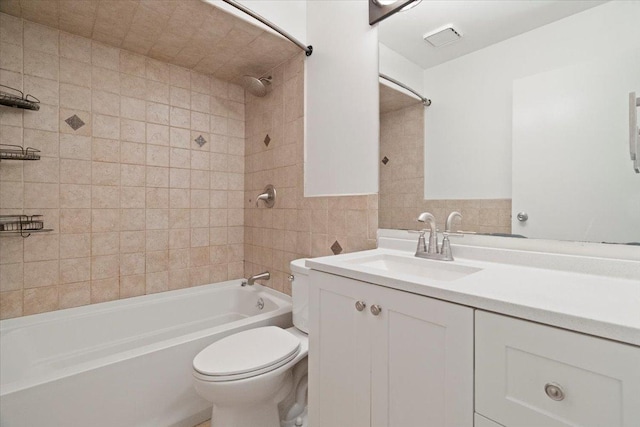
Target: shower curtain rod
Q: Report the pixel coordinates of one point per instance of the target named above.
(425, 101)
(307, 49)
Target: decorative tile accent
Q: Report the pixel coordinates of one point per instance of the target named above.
(385, 160)
(200, 140)
(336, 248)
(75, 122)
(267, 140)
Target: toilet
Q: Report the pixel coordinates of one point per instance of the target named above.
(247, 375)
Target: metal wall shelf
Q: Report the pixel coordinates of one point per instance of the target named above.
(16, 152)
(26, 102)
(23, 225)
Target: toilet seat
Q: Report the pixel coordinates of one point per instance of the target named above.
(246, 354)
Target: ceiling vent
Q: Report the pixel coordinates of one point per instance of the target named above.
(442, 36)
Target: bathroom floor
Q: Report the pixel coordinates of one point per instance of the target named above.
(204, 424)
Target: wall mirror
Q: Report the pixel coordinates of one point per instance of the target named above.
(531, 130)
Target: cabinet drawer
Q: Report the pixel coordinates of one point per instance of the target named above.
(533, 375)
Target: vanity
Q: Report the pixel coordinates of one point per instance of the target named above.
(504, 335)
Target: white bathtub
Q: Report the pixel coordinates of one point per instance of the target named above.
(123, 363)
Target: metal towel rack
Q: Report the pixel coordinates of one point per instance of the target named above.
(634, 131)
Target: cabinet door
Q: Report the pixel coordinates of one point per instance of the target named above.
(422, 361)
(339, 353)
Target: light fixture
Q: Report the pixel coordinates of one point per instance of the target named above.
(384, 2)
(382, 9)
(390, 2)
(411, 5)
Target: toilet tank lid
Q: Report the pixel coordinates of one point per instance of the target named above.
(298, 266)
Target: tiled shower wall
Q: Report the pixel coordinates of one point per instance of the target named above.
(137, 205)
(296, 226)
(402, 181)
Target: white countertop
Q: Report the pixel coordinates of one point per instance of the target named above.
(560, 295)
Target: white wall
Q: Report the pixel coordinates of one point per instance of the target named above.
(400, 68)
(468, 126)
(341, 100)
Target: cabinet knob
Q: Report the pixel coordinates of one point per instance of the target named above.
(360, 305)
(554, 391)
(375, 309)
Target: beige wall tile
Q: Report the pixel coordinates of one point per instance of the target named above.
(74, 295)
(105, 243)
(105, 290)
(106, 127)
(105, 150)
(74, 270)
(75, 147)
(41, 273)
(75, 220)
(75, 72)
(132, 175)
(11, 29)
(105, 80)
(157, 282)
(40, 300)
(132, 264)
(75, 47)
(75, 245)
(47, 90)
(105, 56)
(42, 247)
(157, 113)
(129, 192)
(131, 286)
(133, 86)
(40, 64)
(11, 304)
(11, 277)
(157, 134)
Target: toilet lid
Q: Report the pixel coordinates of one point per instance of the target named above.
(247, 351)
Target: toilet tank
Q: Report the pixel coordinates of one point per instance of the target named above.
(300, 294)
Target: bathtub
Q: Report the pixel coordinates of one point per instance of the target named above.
(123, 363)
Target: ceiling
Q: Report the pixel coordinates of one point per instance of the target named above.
(481, 23)
(188, 33)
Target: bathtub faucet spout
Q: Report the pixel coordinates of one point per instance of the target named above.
(262, 276)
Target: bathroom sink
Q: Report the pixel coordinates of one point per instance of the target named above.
(430, 269)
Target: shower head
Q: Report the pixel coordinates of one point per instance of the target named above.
(257, 86)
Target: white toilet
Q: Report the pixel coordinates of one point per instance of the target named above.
(247, 375)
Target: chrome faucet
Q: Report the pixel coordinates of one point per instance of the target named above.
(432, 251)
(433, 233)
(445, 250)
(262, 276)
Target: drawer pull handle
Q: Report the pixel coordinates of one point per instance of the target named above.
(376, 309)
(554, 391)
(360, 305)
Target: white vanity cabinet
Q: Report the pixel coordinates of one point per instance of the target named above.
(387, 358)
(531, 375)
